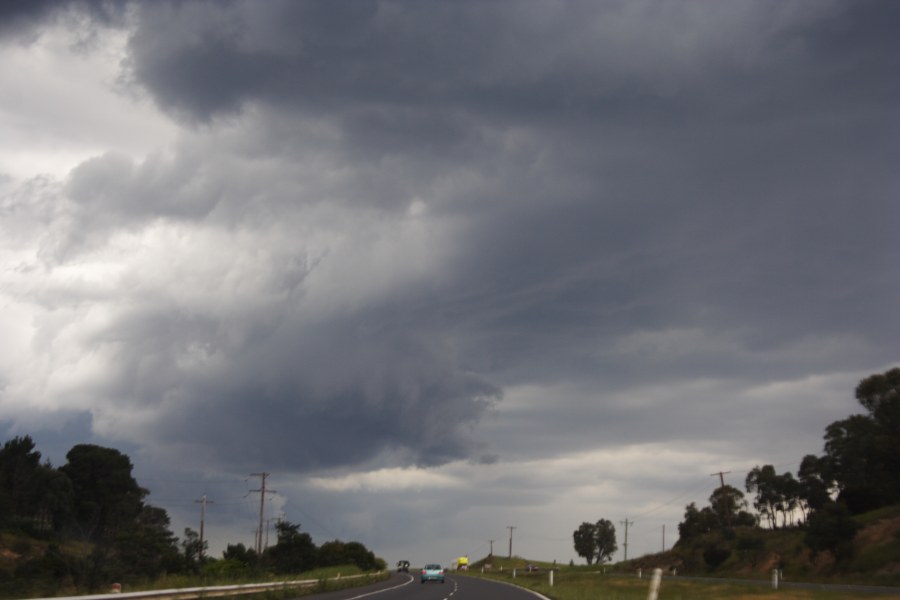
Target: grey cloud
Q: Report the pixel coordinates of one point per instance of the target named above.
(299, 397)
(615, 199)
(24, 18)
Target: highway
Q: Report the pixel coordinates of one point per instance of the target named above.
(403, 586)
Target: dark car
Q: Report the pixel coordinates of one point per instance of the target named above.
(403, 566)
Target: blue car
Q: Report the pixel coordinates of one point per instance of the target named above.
(432, 572)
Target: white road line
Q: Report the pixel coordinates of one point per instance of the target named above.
(384, 590)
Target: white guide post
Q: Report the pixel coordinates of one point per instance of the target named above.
(653, 594)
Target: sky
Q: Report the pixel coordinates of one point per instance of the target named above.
(458, 276)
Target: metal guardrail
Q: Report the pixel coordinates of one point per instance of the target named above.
(208, 592)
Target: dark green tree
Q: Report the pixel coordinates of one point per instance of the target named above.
(237, 561)
(357, 554)
(729, 506)
(775, 494)
(20, 492)
(862, 452)
(148, 549)
(850, 455)
(813, 483)
(606, 540)
(584, 542)
(295, 551)
(107, 499)
(761, 482)
(595, 541)
(696, 523)
(193, 549)
(831, 528)
(53, 508)
(331, 554)
(240, 553)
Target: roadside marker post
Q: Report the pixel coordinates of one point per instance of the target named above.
(653, 594)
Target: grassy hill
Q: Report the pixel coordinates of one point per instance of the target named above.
(753, 553)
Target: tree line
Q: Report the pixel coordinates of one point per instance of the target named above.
(858, 472)
(85, 524)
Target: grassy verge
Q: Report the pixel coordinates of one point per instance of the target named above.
(580, 585)
(328, 580)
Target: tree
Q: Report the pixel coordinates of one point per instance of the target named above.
(729, 506)
(761, 481)
(149, 548)
(193, 549)
(295, 551)
(357, 554)
(595, 540)
(832, 528)
(862, 452)
(775, 494)
(813, 485)
(240, 553)
(331, 554)
(107, 499)
(696, 523)
(19, 491)
(584, 542)
(850, 456)
(606, 540)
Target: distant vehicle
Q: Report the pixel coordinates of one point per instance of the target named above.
(432, 572)
(403, 566)
(532, 568)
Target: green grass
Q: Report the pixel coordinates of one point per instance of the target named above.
(323, 574)
(586, 583)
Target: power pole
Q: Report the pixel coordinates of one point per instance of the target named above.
(664, 538)
(721, 475)
(626, 522)
(510, 527)
(492, 548)
(203, 502)
(262, 504)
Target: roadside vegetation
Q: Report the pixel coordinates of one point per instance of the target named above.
(81, 527)
(836, 520)
(78, 528)
(593, 582)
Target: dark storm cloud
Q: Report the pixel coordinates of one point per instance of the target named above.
(23, 18)
(624, 180)
(298, 396)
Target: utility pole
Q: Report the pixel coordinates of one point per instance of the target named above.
(203, 502)
(626, 522)
(664, 538)
(510, 527)
(262, 504)
(492, 548)
(721, 475)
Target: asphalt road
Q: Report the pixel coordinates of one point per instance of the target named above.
(403, 586)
